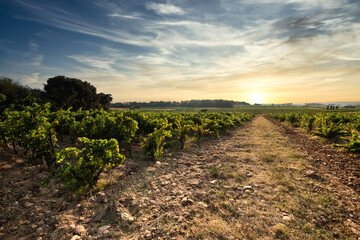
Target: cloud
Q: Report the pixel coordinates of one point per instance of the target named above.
(197, 47)
(37, 60)
(5, 46)
(124, 16)
(2, 41)
(164, 9)
(59, 18)
(33, 46)
(31, 79)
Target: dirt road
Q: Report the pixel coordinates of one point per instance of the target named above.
(254, 183)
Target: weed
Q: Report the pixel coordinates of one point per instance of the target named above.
(214, 172)
(295, 155)
(268, 158)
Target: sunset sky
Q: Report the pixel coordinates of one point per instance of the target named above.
(272, 51)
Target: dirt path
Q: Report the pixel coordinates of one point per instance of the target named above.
(252, 184)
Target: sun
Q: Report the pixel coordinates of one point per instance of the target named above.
(257, 98)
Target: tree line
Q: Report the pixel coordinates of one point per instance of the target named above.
(62, 92)
(186, 104)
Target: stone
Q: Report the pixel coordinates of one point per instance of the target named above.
(75, 237)
(214, 181)
(287, 218)
(247, 187)
(103, 229)
(147, 234)
(33, 226)
(164, 183)
(309, 172)
(41, 215)
(38, 209)
(202, 204)
(158, 164)
(186, 201)
(78, 230)
(131, 220)
(312, 174)
(125, 216)
(106, 232)
(101, 194)
(41, 223)
(39, 231)
(28, 204)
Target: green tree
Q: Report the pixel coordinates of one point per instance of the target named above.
(2, 97)
(13, 95)
(104, 100)
(64, 92)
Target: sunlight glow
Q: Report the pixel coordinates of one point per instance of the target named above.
(257, 98)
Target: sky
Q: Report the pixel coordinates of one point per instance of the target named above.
(258, 51)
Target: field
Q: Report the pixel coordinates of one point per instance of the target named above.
(261, 109)
(242, 173)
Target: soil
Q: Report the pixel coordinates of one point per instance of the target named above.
(344, 164)
(264, 180)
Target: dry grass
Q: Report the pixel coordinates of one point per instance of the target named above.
(282, 204)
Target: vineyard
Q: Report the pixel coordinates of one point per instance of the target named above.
(97, 140)
(104, 138)
(255, 173)
(336, 127)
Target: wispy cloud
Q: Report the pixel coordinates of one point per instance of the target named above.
(199, 48)
(5, 41)
(165, 9)
(125, 16)
(31, 79)
(33, 46)
(37, 60)
(59, 18)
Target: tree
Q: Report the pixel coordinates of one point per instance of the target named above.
(14, 95)
(104, 100)
(64, 92)
(2, 97)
